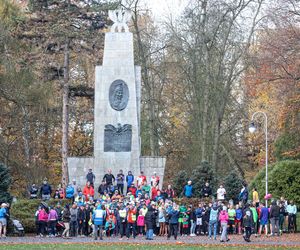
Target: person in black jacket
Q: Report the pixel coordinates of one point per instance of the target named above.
(109, 178)
(149, 221)
(87, 216)
(66, 217)
(192, 220)
(274, 217)
(102, 188)
(33, 191)
(206, 191)
(247, 224)
(45, 190)
(81, 220)
(90, 177)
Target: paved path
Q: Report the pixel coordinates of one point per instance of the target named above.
(289, 240)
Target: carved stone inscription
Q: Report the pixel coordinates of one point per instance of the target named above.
(118, 95)
(117, 139)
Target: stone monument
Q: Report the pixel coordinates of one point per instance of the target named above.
(116, 112)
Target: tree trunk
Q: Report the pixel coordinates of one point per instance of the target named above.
(26, 135)
(154, 145)
(65, 115)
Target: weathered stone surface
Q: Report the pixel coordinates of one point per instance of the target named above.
(117, 139)
(117, 101)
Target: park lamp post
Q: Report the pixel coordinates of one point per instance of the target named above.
(252, 129)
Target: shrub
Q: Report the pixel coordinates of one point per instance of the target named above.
(284, 180)
(24, 210)
(179, 182)
(201, 174)
(233, 185)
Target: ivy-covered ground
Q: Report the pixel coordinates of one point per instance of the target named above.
(286, 241)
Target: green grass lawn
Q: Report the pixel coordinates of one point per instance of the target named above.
(125, 247)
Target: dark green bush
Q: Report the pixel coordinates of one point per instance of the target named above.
(198, 176)
(233, 185)
(284, 180)
(24, 210)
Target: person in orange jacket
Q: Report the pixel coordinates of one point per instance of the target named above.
(88, 191)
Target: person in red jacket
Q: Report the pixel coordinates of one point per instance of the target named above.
(132, 189)
(154, 191)
(88, 191)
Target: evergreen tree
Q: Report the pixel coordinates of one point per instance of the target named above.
(202, 174)
(5, 181)
(233, 184)
(179, 181)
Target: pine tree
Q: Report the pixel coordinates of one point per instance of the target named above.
(5, 181)
(233, 184)
(179, 181)
(200, 175)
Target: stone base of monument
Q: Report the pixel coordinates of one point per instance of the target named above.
(79, 166)
(151, 164)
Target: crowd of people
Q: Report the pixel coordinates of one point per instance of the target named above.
(146, 210)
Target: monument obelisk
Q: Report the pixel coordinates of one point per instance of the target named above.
(117, 92)
(116, 112)
(117, 107)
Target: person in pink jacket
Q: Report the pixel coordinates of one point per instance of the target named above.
(223, 218)
(42, 221)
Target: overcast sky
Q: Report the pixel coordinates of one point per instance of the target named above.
(162, 9)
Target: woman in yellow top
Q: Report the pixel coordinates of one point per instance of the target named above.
(255, 197)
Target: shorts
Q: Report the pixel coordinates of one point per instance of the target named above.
(263, 223)
(3, 221)
(237, 221)
(230, 222)
(162, 220)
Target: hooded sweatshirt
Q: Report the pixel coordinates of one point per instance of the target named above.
(223, 217)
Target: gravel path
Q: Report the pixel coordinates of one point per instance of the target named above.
(290, 240)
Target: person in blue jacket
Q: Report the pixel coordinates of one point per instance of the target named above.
(98, 218)
(173, 222)
(188, 190)
(3, 221)
(129, 179)
(70, 192)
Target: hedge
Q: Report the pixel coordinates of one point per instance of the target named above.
(284, 180)
(24, 210)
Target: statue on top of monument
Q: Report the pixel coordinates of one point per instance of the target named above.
(120, 18)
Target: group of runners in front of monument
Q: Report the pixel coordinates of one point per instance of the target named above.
(145, 210)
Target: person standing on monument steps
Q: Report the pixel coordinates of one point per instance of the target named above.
(120, 181)
(90, 177)
(109, 178)
(141, 179)
(154, 179)
(129, 180)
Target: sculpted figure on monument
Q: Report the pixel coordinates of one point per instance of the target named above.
(120, 18)
(118, 95)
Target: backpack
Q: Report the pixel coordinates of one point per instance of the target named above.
(69, 192)
(214, 214)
